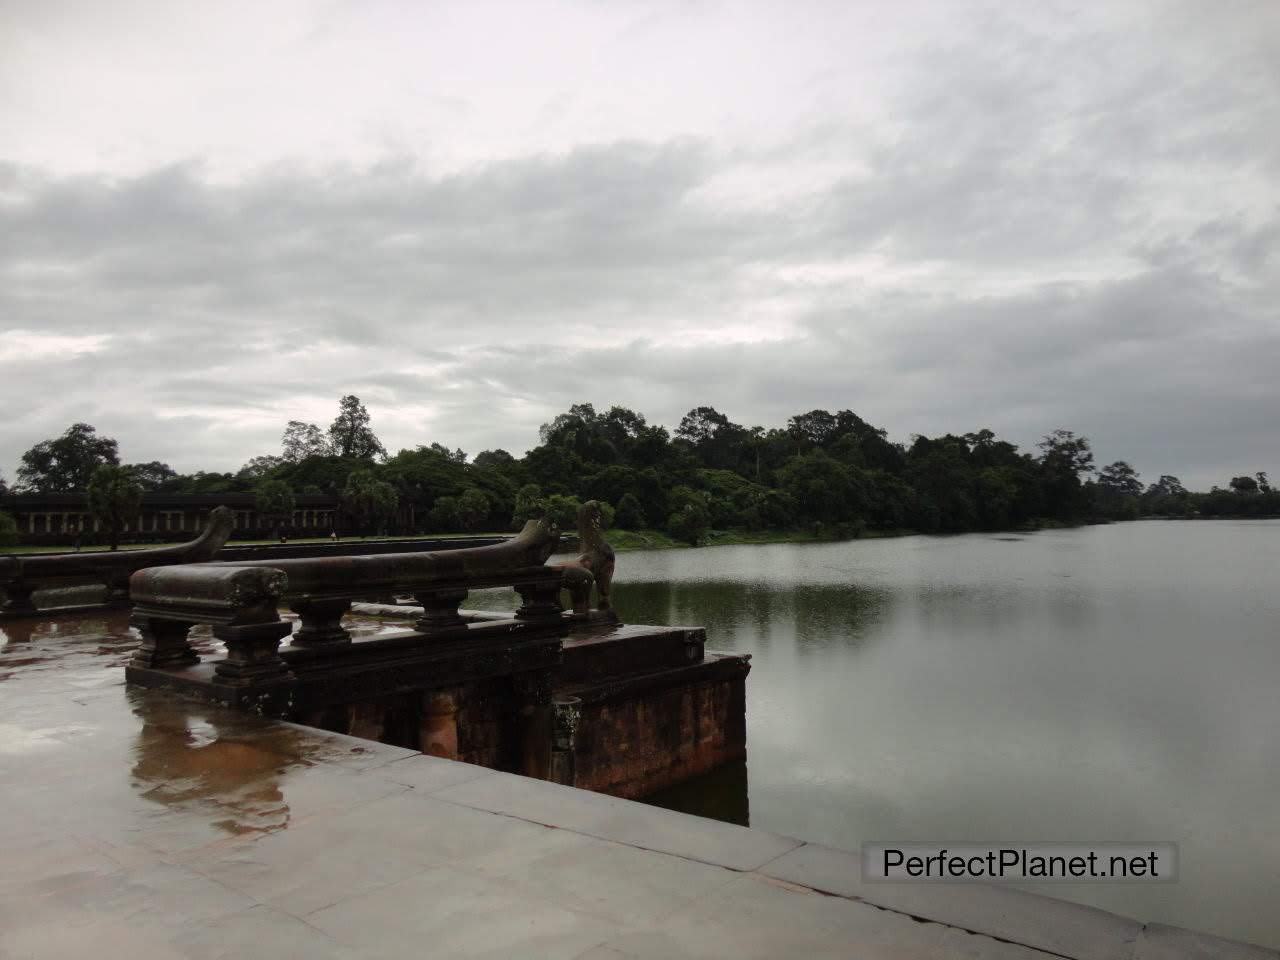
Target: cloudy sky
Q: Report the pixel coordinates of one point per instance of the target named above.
(216, 217)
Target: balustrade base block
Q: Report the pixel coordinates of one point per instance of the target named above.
(650, 708)
(268, 698)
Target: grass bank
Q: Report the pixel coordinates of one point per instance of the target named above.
(624, 540)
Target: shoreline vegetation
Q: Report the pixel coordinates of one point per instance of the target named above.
(823, 476)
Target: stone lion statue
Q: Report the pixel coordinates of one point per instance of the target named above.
(593, 566)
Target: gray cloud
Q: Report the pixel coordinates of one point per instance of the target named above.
(1050, 226)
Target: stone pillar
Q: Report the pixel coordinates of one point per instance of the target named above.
(17, 600)
(534, 718)
(253, 653)
(321, 622)
(118, 590)
(539, 601)
(164, 643)
(566, 716)
(440, 610)
(438, 734)
(367, 720)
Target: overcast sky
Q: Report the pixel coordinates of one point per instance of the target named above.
(217, 217)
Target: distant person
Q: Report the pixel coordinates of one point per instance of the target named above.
(284, 538)
(333, 536)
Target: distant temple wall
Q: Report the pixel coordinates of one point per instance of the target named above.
(60, 519)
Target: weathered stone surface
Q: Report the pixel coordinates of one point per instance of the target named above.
(1045, 923)
(753, 917)
(643, 733)
(1160, 942)
(352, 753)
(447, 912)
(623, 821)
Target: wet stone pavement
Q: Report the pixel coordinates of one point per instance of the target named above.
(141, 825)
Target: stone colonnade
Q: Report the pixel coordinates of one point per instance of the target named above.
(164, 521)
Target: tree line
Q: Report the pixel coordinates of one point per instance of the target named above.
(828, 473)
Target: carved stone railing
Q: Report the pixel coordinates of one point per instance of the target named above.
(22, 575)
(241, 601)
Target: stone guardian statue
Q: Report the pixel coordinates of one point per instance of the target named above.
(593, 566)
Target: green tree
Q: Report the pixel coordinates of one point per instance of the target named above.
(1167, 486)
(8, 531)
(153, 476)
(1167, 497)
(206, 482)
(690, 517)
(259, 468)
(1063, 458)
(608, 516)
(997, 495)
(473, 508)
(816, 428)
(1120, 479)
(371, 500)
(301, 440)
(1244, 484)
(530, 505)
(716, 440)
(494, 459)
(275, 503)
(1116, 491)
(689, 523)
(630, 515)
(114, 499)
(825, 489)
(68, 462)
(445, 515)
(457, 456)
(563, 511)
(350, 434)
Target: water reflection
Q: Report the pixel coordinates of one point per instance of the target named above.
(720, 794)
(191, 759)
(810, 614)
(87, 649)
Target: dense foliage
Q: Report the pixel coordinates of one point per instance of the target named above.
(824, 472)
(66, 462)
(274, 501)
(114, 499)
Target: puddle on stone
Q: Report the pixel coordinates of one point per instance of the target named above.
(73, 732)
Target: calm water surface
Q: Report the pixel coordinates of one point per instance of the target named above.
(1107, 683)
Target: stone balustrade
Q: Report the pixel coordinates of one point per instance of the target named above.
(241, 601)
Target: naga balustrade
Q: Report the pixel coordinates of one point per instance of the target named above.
(241, 601)
(22, 574)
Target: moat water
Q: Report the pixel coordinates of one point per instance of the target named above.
(1106, 683)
